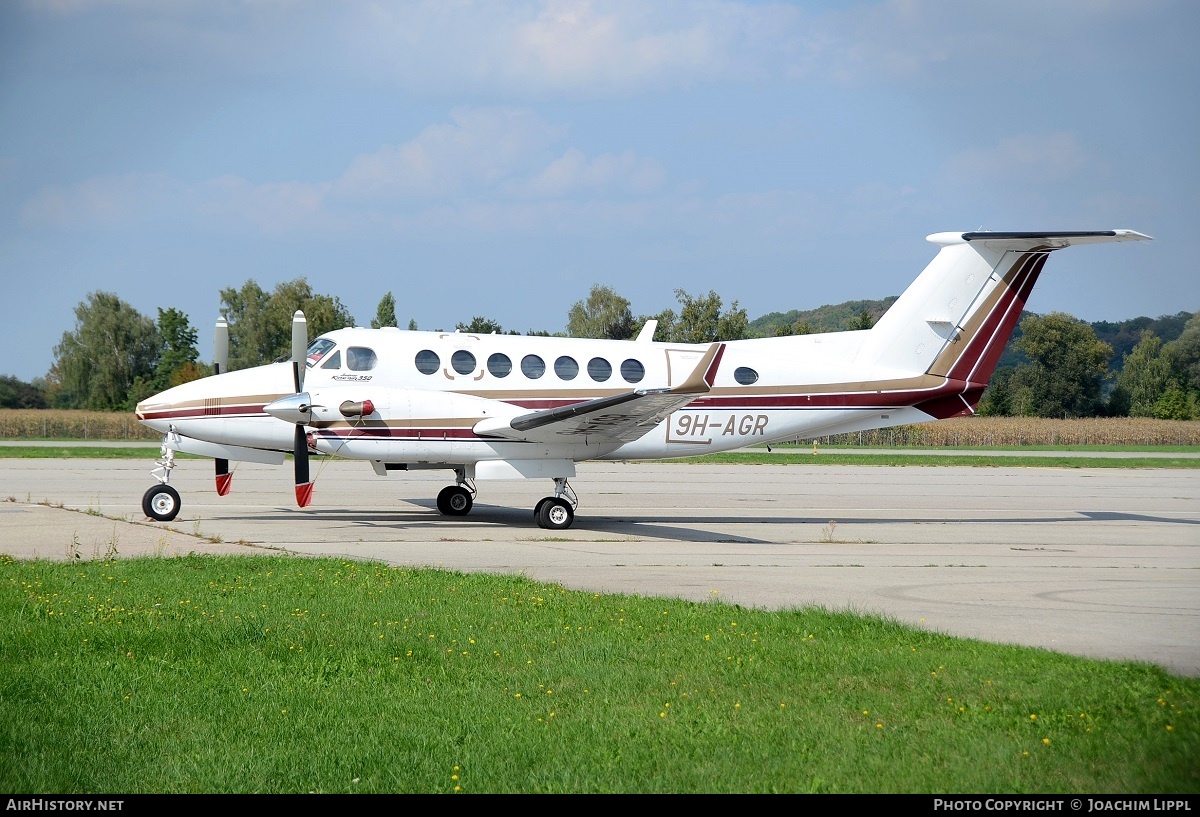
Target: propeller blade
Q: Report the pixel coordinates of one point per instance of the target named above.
(299, 347)
(304, 486)
(224, 478)
(221, 346)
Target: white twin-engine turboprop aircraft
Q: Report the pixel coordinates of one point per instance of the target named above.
(510, 407)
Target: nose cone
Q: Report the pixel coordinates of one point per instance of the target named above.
(239, 393)
(295, 408)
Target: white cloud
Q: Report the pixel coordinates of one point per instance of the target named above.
(102, 201)
(573, 172)
(479, 147)
(466, 170)
(1027, 158)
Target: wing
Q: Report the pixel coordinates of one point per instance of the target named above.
(620, 418)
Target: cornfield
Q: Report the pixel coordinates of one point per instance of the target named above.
(35, 424)
(972, 432)
(967, 432)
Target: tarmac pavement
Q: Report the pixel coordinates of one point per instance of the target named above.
(1099, 562)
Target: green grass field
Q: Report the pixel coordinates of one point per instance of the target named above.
(260, 674)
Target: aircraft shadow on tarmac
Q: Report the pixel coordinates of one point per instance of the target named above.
(663, 526)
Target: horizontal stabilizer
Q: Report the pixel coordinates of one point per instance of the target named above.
(1046, 240)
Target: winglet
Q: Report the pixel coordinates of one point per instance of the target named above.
(705, 373)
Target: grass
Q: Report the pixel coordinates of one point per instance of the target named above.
(274, 674)
(83, 451)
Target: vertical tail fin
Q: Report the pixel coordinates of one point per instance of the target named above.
(954, 321)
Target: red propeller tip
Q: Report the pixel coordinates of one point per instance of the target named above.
(304, 494)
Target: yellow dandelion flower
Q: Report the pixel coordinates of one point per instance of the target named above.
(1046, 741)
(879, 726)
(1170, 728)
(1033, 717)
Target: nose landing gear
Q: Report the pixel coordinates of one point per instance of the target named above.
(161, 502)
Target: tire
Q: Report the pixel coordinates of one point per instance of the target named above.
(161, 503)
(555, 514)
(537, 509)
(454, 500)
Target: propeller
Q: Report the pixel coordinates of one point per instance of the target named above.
(220, 366)
(303, 409)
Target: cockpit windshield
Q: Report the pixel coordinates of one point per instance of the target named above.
(317, 350)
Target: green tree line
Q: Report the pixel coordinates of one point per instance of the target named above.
(1055, 365)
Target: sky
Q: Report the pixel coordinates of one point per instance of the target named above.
(498, 159)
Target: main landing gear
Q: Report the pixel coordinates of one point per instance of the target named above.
(553, 512)
(161, 502)
(557, 512)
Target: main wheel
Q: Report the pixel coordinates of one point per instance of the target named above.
(455, 500)
(161, 503)
(555, 514)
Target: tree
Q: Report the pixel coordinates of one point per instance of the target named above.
(1067, 365)
(604, 314)
(112, 347)
(997, 397)
(260, 325)
(1184, 356)
(385, 314)
(480, 325)
(17, 394)
(1144, 378)
(862, 321)
(701, 320)
(177, 357)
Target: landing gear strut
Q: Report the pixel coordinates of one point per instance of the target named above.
(456, 500)
(161, 502)
(557, 512)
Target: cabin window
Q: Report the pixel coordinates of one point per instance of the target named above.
(317, 350)
(745, 375)
(632, 371)
(463, 361)
(499, 365)
(428, 361)
(334, 361)
(533, 366)
(566, 367)
(360, 359)
(599, 369)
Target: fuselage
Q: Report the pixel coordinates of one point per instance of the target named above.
(429, 390)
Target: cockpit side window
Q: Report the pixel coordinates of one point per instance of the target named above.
(317, 350)
(333, 361)
(360, 359)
